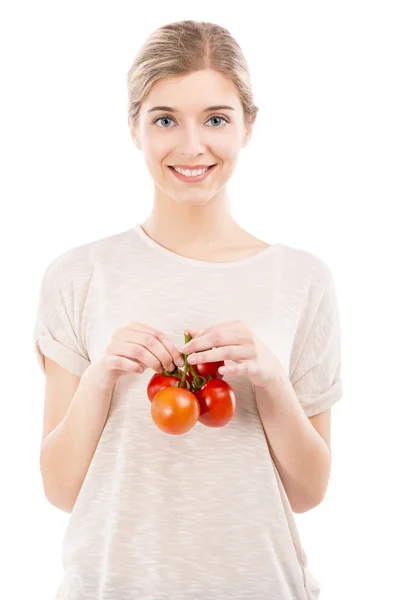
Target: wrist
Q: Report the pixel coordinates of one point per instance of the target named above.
(95, 375)
(275, 381)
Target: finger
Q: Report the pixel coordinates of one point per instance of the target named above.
(198, 332)
(138, 353)
(152, 344)
(174, 355)
(215, 339)
(128, 343)
(235, 353)
(193, 332)
(120, 363)
(240, 369)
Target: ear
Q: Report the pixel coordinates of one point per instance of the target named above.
(248, 131)
(134, 134)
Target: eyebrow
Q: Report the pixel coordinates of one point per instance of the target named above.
(174, 110)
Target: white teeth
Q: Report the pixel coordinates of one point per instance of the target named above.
(189, 173)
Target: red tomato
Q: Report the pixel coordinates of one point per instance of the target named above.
(175, 410)
(159, 382)
(211, 368)
(217, 403)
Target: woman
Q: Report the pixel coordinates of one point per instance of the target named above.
(209, 514)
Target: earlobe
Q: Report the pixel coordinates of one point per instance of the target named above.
(135, 141)
(134, 136)
(246, 139)
(247, 136)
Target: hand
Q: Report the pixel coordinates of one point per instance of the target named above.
(235, 342)
(134, 348)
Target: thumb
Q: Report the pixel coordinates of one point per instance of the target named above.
(193, 332)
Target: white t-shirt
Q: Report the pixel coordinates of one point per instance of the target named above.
(204, 515)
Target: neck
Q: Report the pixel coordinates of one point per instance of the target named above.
(178, 226)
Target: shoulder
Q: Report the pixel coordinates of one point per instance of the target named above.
(307, 265)
(77, 263)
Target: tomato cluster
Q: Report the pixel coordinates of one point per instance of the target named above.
(181, 398)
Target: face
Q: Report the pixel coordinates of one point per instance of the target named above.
(190, 135)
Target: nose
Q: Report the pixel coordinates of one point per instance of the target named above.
(192, 143)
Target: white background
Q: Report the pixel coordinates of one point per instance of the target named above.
(321, 173)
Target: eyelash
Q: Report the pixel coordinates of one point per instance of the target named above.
(172, 118)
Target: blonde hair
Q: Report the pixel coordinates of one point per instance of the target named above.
(185, 47)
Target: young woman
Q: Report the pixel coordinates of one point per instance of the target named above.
(209, 514)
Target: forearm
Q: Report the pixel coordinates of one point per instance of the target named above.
(66, 453)
(300, 454)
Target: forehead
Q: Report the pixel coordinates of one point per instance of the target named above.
(194, 91)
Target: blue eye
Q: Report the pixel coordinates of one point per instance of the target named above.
(162, 118)
(221, 118)
(165, 118)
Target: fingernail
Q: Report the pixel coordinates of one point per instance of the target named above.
(184, 348)
(181, 362)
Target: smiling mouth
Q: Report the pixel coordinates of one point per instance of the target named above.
(193, 169)
(192, 178)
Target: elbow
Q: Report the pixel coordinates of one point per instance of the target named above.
(302, 508)
(302, 505)
(60, 503)
(55, 491)
(58, 499)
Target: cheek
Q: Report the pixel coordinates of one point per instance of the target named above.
(156, 151)
(226, 148)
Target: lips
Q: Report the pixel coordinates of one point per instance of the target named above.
(193, 178)
(192, 168)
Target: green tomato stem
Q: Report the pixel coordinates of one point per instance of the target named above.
(184, 374)
(175, 373)
(198, 380)
(185, 369)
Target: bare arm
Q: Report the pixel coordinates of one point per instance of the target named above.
(67, 451)
(299, 446)
(76, 409)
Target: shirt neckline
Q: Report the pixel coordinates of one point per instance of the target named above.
(201, 263)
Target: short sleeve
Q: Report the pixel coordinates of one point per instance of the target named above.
(58, 326)
(316, 376)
